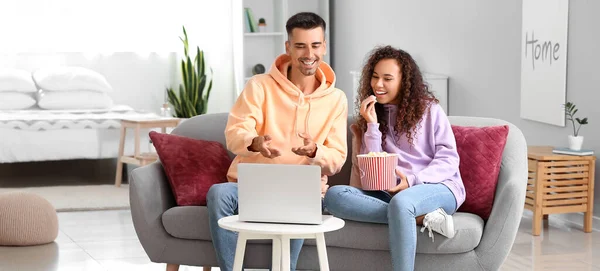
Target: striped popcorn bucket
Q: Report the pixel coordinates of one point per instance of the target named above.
(377, 172)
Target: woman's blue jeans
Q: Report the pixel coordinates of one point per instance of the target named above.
(399, 211)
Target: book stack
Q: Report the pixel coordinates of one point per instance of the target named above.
(562, 150)
(251, 26)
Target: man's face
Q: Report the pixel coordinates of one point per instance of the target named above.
(306, 47)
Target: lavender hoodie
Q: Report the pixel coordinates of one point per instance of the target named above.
(432, 159)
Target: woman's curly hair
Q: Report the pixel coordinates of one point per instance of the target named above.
(414, 95)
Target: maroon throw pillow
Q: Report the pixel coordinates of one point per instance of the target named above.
(192, 166)
(480, 151)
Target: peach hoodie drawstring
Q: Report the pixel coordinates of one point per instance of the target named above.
(308, 117)
(296, 117)
(306, 122)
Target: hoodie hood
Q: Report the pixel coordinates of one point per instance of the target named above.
(324, 74)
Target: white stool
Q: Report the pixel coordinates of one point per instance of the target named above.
(281, 235)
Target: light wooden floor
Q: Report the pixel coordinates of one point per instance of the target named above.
(106, 240)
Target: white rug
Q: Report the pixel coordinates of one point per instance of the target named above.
(82, 198)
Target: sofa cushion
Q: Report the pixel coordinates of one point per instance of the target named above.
(187, 222)
(192, 166)
(480, 151)
(359, 235)
(191, 222)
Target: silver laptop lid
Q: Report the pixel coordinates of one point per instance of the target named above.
(279, 193)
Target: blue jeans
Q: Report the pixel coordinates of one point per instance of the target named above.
(399, 211)
(222, 201)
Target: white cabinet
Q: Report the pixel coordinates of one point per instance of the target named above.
(255, 48)
(438, 84)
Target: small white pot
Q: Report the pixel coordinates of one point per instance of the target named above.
(575, 142)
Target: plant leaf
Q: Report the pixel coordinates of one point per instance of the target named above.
(189, 71)
(183, 103)
(184, 74)
(190, 109)
(175, 102)
(193, 87)
(201, 62)
(201, 86)
(173, 99)
(209, 85)
(185, 42)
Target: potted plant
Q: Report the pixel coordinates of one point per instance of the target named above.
(193, 94)
(575, 140)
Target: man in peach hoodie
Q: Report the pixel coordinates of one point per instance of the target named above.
(292, 115)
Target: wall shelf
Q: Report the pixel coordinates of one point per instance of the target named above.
(263, 34)
(252, 48)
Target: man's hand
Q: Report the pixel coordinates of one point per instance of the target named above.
(367, 109)
(309, 149)
(262, 144)
(403, 183)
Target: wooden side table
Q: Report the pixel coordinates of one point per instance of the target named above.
(559, 183)
(140, 159)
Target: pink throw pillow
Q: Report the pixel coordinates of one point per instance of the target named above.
(480, 151)
(192, 166)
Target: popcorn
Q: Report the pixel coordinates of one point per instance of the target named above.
(377, 154)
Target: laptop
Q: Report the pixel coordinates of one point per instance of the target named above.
(277, 193)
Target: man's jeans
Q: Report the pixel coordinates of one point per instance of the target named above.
(222, 201)
(399, 212)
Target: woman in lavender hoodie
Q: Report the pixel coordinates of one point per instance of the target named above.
(399, 114)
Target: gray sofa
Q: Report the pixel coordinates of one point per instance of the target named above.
(180, 235)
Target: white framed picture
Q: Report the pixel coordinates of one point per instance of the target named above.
(544, 60)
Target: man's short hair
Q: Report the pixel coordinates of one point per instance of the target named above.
(304, 20)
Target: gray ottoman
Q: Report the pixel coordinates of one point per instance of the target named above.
(26, 219)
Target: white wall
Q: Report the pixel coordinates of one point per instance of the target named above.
(477, 44)
(120, 36)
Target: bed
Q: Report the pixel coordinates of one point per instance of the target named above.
(45, 135)
(133, 83)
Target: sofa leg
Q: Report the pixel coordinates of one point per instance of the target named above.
(206, 268)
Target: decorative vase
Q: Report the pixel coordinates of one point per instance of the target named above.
(575, 142)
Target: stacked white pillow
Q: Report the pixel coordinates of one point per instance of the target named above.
(72, 88)
(16, 89)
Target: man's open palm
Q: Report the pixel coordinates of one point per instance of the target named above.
(309, 149)
(262, 144)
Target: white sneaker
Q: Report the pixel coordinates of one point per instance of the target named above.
(439, 222)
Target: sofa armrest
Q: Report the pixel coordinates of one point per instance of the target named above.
(501, 228)
(150, 196)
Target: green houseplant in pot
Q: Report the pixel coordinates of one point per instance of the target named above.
(575, 140)
(191, 98)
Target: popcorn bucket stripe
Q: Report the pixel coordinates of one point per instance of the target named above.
(377, 172)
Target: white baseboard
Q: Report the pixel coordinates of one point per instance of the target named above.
(573, 219)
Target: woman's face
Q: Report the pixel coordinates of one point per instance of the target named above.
(386, 81)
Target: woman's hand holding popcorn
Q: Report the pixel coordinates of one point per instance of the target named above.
(403, 183)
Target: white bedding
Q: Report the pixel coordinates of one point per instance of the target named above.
(40, 119)
(46, 135)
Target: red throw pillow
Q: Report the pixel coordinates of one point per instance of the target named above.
(480, 151)
(192, 166)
